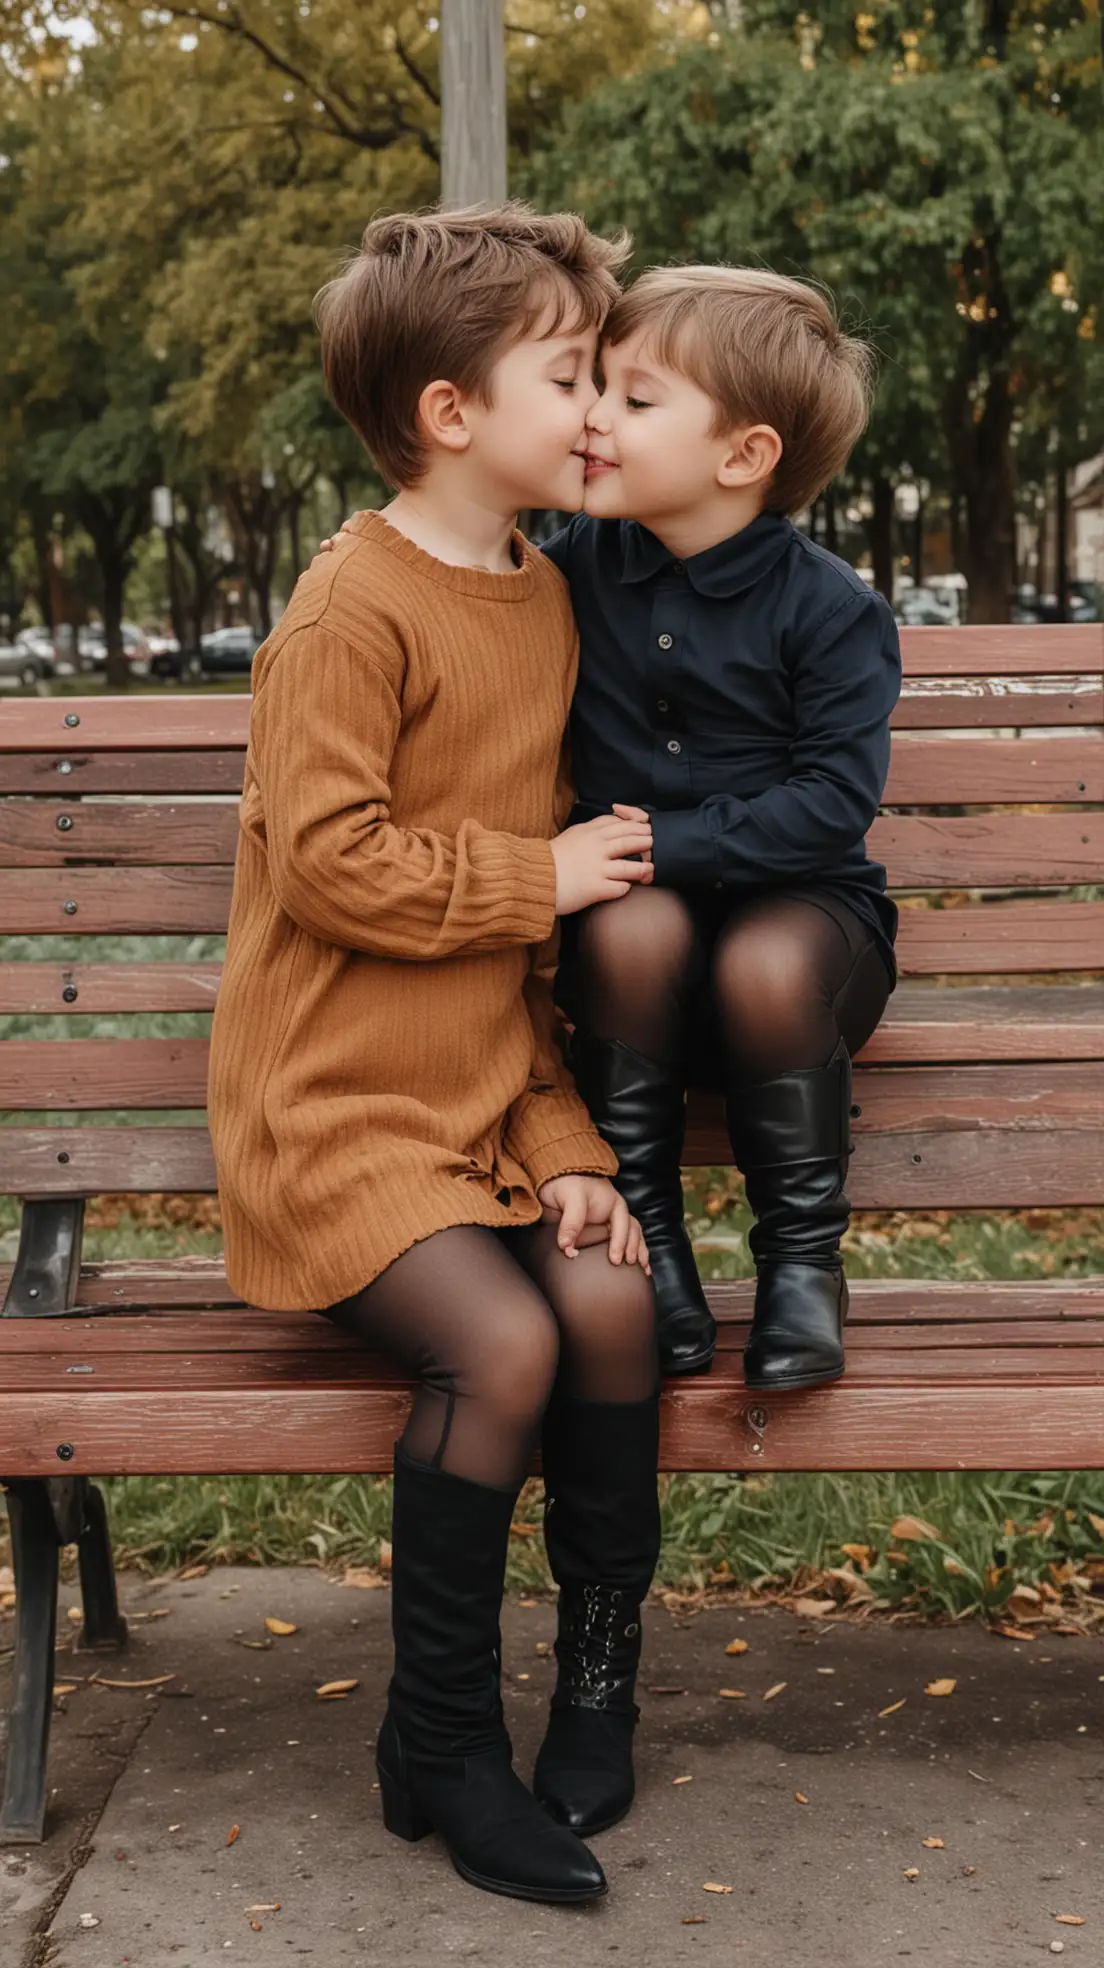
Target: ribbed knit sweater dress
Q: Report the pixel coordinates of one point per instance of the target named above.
(383, 1059)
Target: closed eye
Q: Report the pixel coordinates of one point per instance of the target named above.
(637, 403)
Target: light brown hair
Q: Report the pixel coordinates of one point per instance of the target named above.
(768, 350)
(442, 294)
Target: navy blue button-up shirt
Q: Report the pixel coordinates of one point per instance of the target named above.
(743, 696)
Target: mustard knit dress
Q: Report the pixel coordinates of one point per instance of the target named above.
(383, 1056)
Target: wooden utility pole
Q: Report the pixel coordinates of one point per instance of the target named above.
(473, 96)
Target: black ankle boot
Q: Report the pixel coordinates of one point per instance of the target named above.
(638, 1106)
(601, 1529)
(444, 1757)
(791, 1139)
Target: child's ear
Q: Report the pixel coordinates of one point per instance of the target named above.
(752, 456)
(441, 415)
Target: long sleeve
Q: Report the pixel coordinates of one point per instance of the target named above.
(846, 681)
(326, 720)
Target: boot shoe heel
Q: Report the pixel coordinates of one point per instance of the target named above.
(401, 1815)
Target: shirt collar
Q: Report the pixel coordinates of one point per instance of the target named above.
(721, 571)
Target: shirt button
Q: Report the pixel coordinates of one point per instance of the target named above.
(666, 641)
(661, 704)
(674, 746)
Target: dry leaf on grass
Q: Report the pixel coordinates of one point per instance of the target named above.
(893, 1707)
(280, 1627)
(714, 1886)
(233, 1834)
(157, 1681)
(1070, 1919)
(933, 1844)
(776, 1690)
(1096, 1522)
(335, 1690)
(523, 1530)
(912, 1530)
(732, 1694)
(861, 1554)
(737, 1647)
(941, 1687)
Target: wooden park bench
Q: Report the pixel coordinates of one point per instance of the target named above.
(980, 1092)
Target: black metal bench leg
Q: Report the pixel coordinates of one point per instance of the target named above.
(34, 1540)
(104, 1626)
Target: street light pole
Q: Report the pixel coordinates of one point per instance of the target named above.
(473, 99)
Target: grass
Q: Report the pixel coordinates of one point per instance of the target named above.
(992, 1536)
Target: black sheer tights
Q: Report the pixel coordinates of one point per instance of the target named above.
(490, 1322)
(773, 984)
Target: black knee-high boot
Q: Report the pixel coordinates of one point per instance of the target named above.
(444, 1757)
(791, 1139)
(601, 1529)
(639, 1107)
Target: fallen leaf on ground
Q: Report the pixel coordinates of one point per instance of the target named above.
(280, 1626)
(330, 1689)
(814, 1608)
(654, 1689)
(66, 1687)
(363, 1577)
(193, 1572)
(257, 1926)
(1013, 1632)
(893, 1707)
(157, 1681)
(800, 1797)
(234, 1833)
(862, 1554)
(262, 1646)
(384, 1556)
(776, 1690)
(732, 1694)
(1070, 1919)
(941, 1687)
(527, 1603)
(695, 1919)
(714, 1886)
(737, 1647)
(90, 1920)
(933, 1844)
(912, 1530)
(74, 1613)
(678, 1780)
(912, 1872)
(268, 1906)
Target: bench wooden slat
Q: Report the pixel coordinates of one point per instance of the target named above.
(981, 771)
(115, 901)
(72, 774)
(990, 850)
(103, 1073)
(921, 1023)
(985, 649)
(996, 938)
(707, 1424)
(184, 1304)
(123, 987)
(980, 703)
(947, 771)
(48, 833)
(954, 1168)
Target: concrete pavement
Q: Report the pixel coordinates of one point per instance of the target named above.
(143, 1867)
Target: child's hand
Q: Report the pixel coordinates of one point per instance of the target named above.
(589, 1210)
(328, 545)
(599, 860)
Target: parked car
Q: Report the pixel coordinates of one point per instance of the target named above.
(92, 648)
(925, 608)
(224, 652)
(1084, 603)
(20, 664)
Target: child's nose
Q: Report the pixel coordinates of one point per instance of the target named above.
(597, 419)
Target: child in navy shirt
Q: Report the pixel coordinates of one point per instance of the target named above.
(736, 682)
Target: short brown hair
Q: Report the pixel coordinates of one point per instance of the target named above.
(442, 294)
(769, 350)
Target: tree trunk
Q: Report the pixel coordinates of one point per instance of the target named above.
(880, 534)
(1061, 538)
(113, 572)
(918, 546)
(176, 603)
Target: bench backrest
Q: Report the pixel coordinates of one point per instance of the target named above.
(118, 819)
